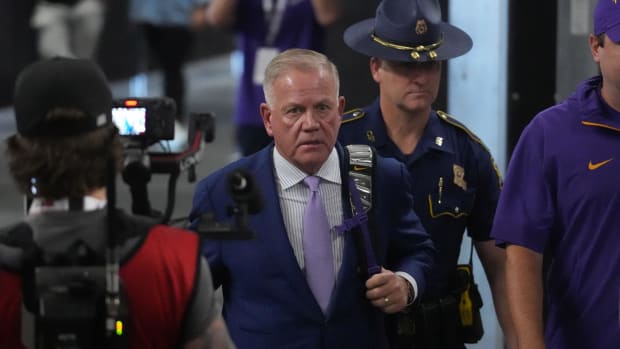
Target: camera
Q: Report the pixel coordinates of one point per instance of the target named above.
(147, 120)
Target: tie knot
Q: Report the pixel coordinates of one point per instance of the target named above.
(312, 182)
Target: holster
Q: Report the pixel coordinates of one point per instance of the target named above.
(444, 322)
(470, 303)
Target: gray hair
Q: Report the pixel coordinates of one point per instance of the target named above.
(297, 59)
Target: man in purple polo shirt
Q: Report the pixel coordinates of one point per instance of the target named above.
(557, 215)
(264, 28)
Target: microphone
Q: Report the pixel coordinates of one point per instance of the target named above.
(242, 187)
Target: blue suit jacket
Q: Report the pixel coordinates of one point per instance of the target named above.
(267, 301)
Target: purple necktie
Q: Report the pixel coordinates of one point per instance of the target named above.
(317, 241)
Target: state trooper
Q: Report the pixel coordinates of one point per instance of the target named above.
(456, 183)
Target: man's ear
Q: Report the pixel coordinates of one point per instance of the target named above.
(265, 113)
(594, 47)
(374, 65)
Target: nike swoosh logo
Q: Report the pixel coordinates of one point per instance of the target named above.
(593, 167)
(359, 168)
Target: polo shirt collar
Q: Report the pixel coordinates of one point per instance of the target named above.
(594, 110)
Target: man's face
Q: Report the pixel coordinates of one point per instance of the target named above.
(304, 117)
(410, 86)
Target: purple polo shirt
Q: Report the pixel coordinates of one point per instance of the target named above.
(561, 198)
(298, 29)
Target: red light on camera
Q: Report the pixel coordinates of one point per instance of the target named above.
(131, 102)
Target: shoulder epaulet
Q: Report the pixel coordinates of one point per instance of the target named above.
(352, 115)
(451, 121)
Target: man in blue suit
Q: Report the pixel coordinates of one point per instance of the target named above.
(270, 298)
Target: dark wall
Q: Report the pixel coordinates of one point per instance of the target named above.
(16, 43)
(356, 83)
(531, 64)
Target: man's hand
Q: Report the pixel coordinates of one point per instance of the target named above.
(387, 291)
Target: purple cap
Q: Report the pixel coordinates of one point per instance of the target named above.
(607, 19)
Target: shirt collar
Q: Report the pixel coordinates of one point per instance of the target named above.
(40, 205)
(433, 137)
(595, 111)
(289, 175)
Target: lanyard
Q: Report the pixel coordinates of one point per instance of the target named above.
(274, 13)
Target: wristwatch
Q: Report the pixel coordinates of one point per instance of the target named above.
(410, 293)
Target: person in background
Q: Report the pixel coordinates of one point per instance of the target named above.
(61, 157)
(556, 215)
(167, 27)
(264, 28)
(301, 281)
(456, 183)
(68, 28)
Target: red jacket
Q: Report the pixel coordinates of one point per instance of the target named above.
(159, 282)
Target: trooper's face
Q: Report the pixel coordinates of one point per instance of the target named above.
(410, 86)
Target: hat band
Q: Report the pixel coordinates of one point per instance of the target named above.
(415, 51)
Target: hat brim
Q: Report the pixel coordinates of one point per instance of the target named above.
(358, 36)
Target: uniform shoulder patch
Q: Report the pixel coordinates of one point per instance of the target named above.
(352, 115)
(449, 119)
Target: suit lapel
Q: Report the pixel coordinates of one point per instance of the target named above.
(270, 230)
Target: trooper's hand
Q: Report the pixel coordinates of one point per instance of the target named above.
(387, 291)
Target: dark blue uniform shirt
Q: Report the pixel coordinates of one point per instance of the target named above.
(456, 183)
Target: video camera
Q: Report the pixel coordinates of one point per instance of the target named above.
(147, 120)
(143, 122)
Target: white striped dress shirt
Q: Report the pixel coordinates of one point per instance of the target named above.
(294, 195)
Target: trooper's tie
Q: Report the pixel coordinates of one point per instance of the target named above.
(317, 243)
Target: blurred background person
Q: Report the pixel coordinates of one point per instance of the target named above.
(68, 28)
(167, 27)
(264, 28)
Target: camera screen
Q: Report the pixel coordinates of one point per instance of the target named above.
(130, 121)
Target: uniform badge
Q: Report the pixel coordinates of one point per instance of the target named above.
(459, 176)
(439, 141)
(420, 27)
(370, 135)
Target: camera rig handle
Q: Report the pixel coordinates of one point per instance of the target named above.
(139, 168)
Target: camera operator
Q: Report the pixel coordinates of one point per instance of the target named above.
(65, 150)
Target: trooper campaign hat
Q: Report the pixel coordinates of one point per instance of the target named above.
(61, 83)
(408, 31)
(607, 19)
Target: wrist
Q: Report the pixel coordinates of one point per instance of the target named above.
(410, 292)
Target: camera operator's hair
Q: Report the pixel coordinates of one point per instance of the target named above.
(297, 59)
(61, 167)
